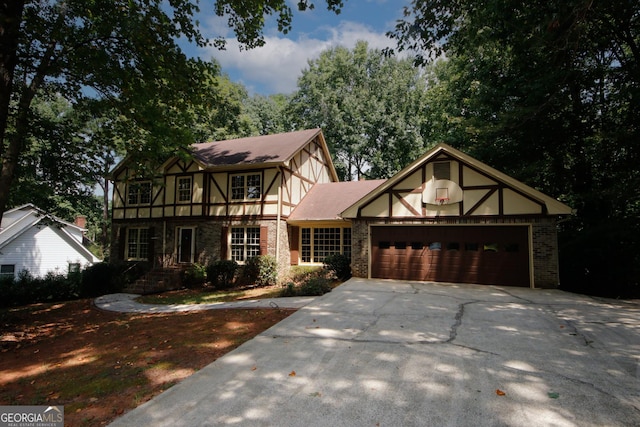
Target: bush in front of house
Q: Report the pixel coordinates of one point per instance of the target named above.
(261, 270)
(26, 289)
(315, 286)
(308, 282)
(339, 265)
(221, 273)
(102, 278)
(195, 276)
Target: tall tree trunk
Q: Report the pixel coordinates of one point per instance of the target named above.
(10, 19)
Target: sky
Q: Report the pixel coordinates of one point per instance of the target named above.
(275, 67)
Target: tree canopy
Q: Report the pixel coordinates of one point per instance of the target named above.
(370, 107)
(120, 58)
(548, 92)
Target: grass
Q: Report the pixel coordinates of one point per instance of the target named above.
(205, 296)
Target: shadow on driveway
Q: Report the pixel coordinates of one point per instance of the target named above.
(391, 353)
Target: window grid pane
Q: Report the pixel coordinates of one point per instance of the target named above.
(245, 243)
(132, 244)
(133, 194)
(253, 187)
(346, 242)
(237, 187)
(306, 245)
(184, 189)
(145, 193)
(326, 241)
(253, 242)
(143, 243)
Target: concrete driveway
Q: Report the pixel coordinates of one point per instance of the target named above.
(389, 353)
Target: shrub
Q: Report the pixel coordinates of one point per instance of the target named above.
(221, 273)
(315, 286)
(289, 290)
(26, 289)
(302, 273)
(100, 279)
(339, 265)
(195, 276)
(261, 270)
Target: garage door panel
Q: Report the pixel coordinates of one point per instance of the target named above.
(467, 254)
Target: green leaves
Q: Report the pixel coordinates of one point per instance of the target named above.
(369, 106)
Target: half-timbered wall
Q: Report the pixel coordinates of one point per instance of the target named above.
(482, 196)
(310, 166)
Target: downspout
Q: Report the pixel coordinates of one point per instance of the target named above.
(278, 218)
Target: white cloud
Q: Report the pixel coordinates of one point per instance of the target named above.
(275, 67)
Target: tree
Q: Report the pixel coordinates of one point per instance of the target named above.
(120, 53)
(548, 92)
(370, 106)
(266, 114)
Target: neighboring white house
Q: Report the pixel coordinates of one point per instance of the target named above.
(31, 239)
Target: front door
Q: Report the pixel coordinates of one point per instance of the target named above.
(185, 245)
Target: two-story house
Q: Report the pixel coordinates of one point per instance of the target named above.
(446, 217)
(231, 200)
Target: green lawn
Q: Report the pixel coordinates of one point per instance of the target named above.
(207, 296)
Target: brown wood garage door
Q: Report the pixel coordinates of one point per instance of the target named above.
(492, 255)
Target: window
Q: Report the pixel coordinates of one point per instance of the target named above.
(245, 243)
(139, 193)
(512, 247)
(7, 271)
(491, 247)
(453, 246)
(318, 243)
(442, 170)
(184, 189)
(471, 247)
(74, 267)
(435, 246)
(417, 245)
(400, 245)
(246, 187)
(137, 243)
(384, 245)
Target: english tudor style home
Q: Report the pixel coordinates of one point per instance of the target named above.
(447, 217)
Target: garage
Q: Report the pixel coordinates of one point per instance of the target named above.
(483, 254)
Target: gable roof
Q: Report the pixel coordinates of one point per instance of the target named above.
(326, 201)
(250, 151)
(17, 221)
(553, 206)
(257, 150)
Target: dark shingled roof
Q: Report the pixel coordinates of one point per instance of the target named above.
(253, 150)
(327, 201)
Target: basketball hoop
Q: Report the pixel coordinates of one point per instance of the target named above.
(442, 196)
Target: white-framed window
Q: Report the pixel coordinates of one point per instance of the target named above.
(316, 243)
(137, 244)
(245, 243)
(74, 267)
(139, 193)
(7, 271)
(246, 186)
(184, 189)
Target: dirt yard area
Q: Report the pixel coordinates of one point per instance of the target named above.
(100, 364)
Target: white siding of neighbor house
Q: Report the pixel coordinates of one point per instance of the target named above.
(41, 250)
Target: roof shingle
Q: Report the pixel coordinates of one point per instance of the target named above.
(253, 150)
(327, 201)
